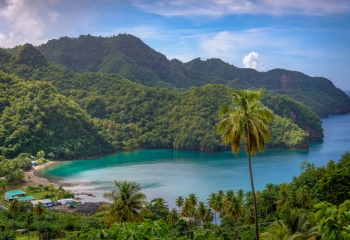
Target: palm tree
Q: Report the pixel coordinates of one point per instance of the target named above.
(201, 211)
(159, 203)
(15, 206)
(192, 200)
(39, 209)
(215, 201)
(303, 195)
(28, 216)
(246, 120)
(127, 202)
(233, 208)
(172, 217)
(179, 202)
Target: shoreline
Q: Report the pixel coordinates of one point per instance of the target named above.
(32, 179)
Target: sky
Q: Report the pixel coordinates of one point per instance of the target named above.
(310, 36)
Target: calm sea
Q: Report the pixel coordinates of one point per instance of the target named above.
(171, 173)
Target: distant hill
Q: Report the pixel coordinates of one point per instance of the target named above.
(129, 115)
(129, 57)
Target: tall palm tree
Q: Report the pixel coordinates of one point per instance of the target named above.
(233, 207)
(127, 202)
(159, 203)
(15, 206)
(201, 211)
(39, 209)
(179, 202)
(172, 217)
(216, 202)
(303, 197)
(192, 200)
(28, 217)
(246, 120)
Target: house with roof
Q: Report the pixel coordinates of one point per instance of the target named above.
(14, 194)
(19, 195)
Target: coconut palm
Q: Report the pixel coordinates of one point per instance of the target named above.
(159, 203)
(179, 202)
(216, 202)
(28, 217)
(15, 206)
(246, 120)
(39, 209)
(192, 200)
(303, 197)
(172, 217)
(233, 207)
(127, 202)
(201, 211)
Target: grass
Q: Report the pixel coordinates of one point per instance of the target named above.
(37, 194)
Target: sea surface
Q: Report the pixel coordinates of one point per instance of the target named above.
(172, 173)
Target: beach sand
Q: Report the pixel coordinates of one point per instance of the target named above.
(34, 179)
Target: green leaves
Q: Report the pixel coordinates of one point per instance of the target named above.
(334, 223)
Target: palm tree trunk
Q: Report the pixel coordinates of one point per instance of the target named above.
(215, 218)
(254, 199)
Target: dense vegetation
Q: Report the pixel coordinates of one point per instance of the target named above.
(315, 205)
(125, 115)
(129, 57)
(35, 117)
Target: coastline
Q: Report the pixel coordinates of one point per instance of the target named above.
(31, 179)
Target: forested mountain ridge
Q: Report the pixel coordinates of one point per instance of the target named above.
(129, 57)
(130, 116)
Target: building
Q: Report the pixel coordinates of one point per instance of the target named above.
(14, 194)
(45, 202)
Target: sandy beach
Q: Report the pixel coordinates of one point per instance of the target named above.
(31, 179)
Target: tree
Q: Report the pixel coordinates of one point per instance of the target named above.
(127, 202)
(179, 202)
(28, 216)
(15, 206)
(172, 217)
(159, 203)
(246, 120)
(215, 201)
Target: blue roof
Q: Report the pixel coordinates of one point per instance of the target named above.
(11, 197)
(15, 192)
(26, 198)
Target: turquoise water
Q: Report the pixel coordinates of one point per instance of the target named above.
(171, 173)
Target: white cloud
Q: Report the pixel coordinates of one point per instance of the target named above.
(54, 16)
(23, 21)
(252, 61)
(217, 8)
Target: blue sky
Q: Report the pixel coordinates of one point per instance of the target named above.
(311, 36)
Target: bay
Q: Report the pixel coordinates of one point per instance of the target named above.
(171, 173)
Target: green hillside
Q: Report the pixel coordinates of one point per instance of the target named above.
(129, 57)
(34, 117)
(128, 115)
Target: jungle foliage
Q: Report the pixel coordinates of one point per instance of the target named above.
(129, 57)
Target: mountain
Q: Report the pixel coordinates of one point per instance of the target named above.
(129, 115)
(347, 92)
(129, 57)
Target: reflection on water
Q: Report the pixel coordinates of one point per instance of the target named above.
(170, 173)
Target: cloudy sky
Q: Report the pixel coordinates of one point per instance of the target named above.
(311, 36)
